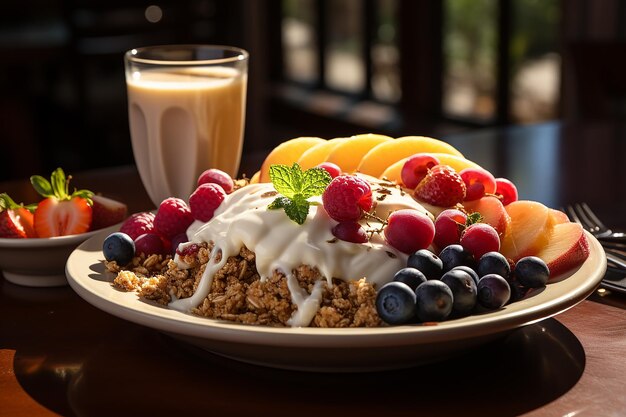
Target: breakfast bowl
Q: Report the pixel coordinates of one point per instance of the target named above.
(40, 262)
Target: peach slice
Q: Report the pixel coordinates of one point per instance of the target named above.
(393, 172)
(492, 210)
(558, 216)
(529, 229)
(381, 156)
(348, 154)
(318, 153)
(287, 153)
(255, 178)
(567, 248)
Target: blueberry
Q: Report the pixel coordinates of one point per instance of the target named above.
(463, 290)
(434, 301)
(493, 263)
(532, 272)
(427, 262)
(395, 303)
(470, 271)
(493, 291)
(410, 276)
(119, 247)
(455, 255)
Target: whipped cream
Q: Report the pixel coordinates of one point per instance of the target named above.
(282, 245)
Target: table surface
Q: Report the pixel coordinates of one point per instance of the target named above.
(61, 356)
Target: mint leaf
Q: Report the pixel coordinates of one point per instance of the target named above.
(315, 181)
(278, 203)
(297, 209)
(282, 179)
(295, 187)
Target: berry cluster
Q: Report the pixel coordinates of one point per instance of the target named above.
(440, 185)
(163, 232)
(456, 284)
(348, 198)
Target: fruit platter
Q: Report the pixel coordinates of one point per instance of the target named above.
(344, 248)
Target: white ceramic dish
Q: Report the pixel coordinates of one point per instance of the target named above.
(40, 262)
(330, 349)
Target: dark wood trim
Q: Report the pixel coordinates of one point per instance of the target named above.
(275, 51)
(503, 71)
(369, 26)
(419, 24)
(321, 25)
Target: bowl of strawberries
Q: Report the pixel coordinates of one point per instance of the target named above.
(36, 239)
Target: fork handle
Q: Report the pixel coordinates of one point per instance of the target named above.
(616, 261)
(617, 237)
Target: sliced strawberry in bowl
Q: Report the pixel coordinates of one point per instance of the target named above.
(62, 218)
(16, 220)
(107, 212)
(61, 213)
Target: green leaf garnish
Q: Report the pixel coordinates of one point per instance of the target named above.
(473, 218)
(7, 203)
(295, 188)
(58, 187)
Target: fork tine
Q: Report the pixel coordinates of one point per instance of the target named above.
(585, 221)
(590, 214)
(571, 213)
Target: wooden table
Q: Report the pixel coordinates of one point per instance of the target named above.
(61, 356)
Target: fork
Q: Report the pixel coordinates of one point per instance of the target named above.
(582, 213)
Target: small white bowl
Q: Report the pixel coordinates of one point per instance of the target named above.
(40, 262)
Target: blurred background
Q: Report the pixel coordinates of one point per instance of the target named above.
(324, 68)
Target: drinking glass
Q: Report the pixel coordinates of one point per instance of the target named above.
(186, 110)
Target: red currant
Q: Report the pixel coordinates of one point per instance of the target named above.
(416, 167)
(409, 230)
(478, 182)
(448, 227)
(350, 232)
(506, 190)
(332, 169)
(480, 238)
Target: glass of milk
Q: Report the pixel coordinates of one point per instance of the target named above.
(186, 108)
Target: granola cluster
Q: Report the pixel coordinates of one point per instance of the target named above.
(238, 294)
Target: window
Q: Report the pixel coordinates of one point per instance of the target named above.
(472, 62)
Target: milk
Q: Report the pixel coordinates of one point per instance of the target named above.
(184, 120)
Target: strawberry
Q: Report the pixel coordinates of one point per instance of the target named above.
(61, 213)
(442, 187)
(16, 220)
(106, 212)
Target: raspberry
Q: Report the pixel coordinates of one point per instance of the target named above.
(441, 187)
(216, 176)
(150, 244)
(138, 224)
(346, 197)
(172, 218)
(205, 200)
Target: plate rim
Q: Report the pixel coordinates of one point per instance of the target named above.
(160, 318)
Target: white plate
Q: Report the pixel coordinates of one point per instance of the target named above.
(330, 349)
